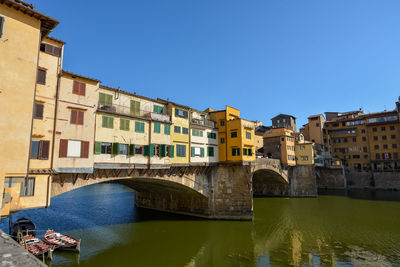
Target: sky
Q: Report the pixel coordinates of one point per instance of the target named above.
(264, 57)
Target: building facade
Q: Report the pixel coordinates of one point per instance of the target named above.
(279, 143)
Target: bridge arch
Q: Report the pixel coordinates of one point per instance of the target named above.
(269, 179)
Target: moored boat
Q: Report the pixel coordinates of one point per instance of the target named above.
(37, 247)
(23, 226)
(62, 241)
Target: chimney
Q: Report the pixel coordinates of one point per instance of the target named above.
(398, 105)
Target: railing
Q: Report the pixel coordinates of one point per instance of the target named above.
(120, 109)
(204, 123)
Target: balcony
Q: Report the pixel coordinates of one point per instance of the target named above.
(206, 123)
(125, 110)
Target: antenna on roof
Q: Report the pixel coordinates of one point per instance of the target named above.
(116, 95)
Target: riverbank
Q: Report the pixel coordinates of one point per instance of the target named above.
(12, 254)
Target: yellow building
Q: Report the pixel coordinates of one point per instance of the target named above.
(236, 135)
(304, 153)
(131, 129)
(279, 143)
(21, 30)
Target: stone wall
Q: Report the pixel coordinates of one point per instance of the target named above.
(330, 178)
(387, 180)
(302, 181)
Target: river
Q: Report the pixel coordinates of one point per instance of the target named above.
(360, 229)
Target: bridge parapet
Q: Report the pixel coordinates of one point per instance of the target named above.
(273, 165)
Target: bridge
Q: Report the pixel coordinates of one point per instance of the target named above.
(219, 191)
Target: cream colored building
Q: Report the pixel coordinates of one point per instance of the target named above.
(279, 143)
(304, 153)
(74, 138)
(203, 139)
(21, 30)
(131, 129)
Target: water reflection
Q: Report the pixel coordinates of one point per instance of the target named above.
(325, 231)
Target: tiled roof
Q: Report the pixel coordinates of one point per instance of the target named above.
(80, 76)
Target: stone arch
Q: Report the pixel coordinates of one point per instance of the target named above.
(269, 179)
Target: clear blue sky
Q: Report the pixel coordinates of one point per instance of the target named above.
(263, 57)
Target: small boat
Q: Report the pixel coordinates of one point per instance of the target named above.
(24, 226)
(37, 247)
(62, 241)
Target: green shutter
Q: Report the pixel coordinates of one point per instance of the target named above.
(132, 150)
(210, 151)
(124, 124)
(172, 152)
(202, 152)
(167, 129)
(104, 122)
(157, 127)
(250, 152)
(102, 99)
(162, 151)
(244, 151)
(115, 148)
(151, 148)
(97, 148)
(146, 151)
(135, 108)
(139, 127)
(192, 151)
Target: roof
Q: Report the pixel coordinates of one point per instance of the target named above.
(78, 75)
(47, 23)
(312, 116)
(55, 40)
(362, 116)
(129, 93)
(173, 103)
(284, 115)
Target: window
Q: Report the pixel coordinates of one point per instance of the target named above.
(381, 119)
(376, 146)
(105, 148)
(41, 76)
(383, 128)
(185, 130)
(395, 155)
(181, 151)
(354, 139)
(38, 111)
(138, 150)
(365, 149)
(377, 156)
(363, 131)
(393, 136)
(235, 151)
(139, 127)
(105, 99)
(123, 149)
(135, 108)
(77, 116)
(222, 123)
(196, 132)
(73, 149)
(372, 120)
(244, 152)
(124, 124)
(248, 135)
(374, 129)
(40, 149)
(177, 129)
(210, 151)
(302, 147)
(27, 185)
(233, 134)
(156, 150)
(375, 138)
(157, 127)
(249, 152)
(392, 128)
(364, 138)
(167, 129)
(222, 140)
(385, 146)
(181, 113)
(392, 118)
(383, 137)
(157, 109)
(79, 88)
(365, 156)
(2, 19)
(304, 158)
(345, 140)
(107, 122)
(394, 145)
(212, 135)
(196, 151)
(386, 155)
(356, 156)
(51, 49)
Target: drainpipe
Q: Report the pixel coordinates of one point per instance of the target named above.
(190, 136)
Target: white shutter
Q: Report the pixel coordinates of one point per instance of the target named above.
(74, 149)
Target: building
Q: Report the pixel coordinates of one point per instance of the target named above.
(284, 121)
(203, 139)
(236, 135)
(304, 153)
(279, 143)
(315, 126)
(21, 30)
(131, 131)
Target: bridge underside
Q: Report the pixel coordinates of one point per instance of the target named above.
(269, 183)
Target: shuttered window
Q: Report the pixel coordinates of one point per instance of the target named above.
(196, 132)
(157, 127)
(51, 49)
(2, 19)
(74, 149)
(63, 148)
(181, 113)
(248, 135)
(38, 111)
(105, 99)
(124, 124)
(139, 127)
(44, 149)
(180, 150)
(135, 108)
(79, 88)
(185, 130)
(85, 149)
(167, 129)
(210, 151)
(177, 129)
(157, 109)
(41, 76)
(211, 135)
(77, 117)
(171, 154)
(107, 122)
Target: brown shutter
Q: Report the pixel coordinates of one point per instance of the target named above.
(63, 148)
(80, 117)
(41, 76)
(44, 149)
(74, 116)
(1, 26)
(75, 89)
(48, 49)
(39, 111)
(82, 90)
(57, 51)
(85, 149)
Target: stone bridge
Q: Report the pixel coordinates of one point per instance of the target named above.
(221, 191)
